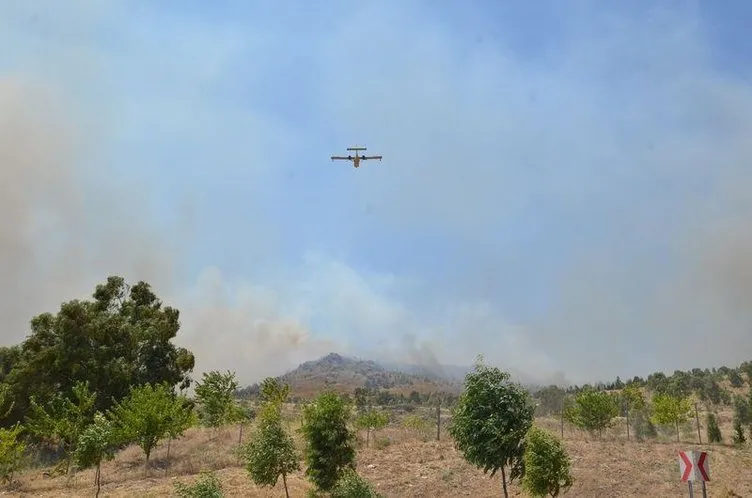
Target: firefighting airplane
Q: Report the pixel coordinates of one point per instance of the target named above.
(356, 158)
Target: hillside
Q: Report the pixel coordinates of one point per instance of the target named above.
(411, 463)
(344, 374)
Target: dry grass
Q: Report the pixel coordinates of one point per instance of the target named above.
(406, 463)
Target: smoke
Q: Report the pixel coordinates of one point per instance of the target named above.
(239, 326)
(579, 207)
(58, 236)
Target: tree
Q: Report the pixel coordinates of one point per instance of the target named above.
(215, 394)
(592, 411)
(330, 446)
(735, 378)
(149, 414)
(371, 420)
(64, 419)
(714, 432)
(490, 421)
(633, 397)
(671, 410)
(271, 453)
(95, 445)
(11, 452)
(273, 390)
(120, 338)
(738, 431)
(547, 465)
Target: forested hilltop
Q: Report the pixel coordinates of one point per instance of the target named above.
(101, 381)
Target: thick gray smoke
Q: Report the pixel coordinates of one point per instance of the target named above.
(63, 227)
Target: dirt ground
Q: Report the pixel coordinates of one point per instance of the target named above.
(408, 463)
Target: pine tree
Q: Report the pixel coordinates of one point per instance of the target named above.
(714, 432)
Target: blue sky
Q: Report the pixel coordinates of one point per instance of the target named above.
(564, 185)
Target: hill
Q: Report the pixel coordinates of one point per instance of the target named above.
(345, 374)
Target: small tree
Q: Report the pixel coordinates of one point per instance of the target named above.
(714, 432)
(149, 414)
(215, 394)
(94, 446)
(371, 420)
(64, 419)
(11, 452)
(671, 410)
(490, 421)
(273, 390)
(739, 432)
(547, 465)
(592, 411)
(272, 452)
(329, 449)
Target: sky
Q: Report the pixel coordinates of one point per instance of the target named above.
(565, 185)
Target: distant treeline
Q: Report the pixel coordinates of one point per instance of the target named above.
(703, 383)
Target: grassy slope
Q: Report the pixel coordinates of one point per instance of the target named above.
(415, 465)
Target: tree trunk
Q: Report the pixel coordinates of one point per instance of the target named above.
(504, 482)
(438, 421)
(240, 435)
(368, 437)
(677, 431)
(169, 441)
(284, 481)
(98, 478)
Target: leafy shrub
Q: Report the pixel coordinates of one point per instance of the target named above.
(207, 485)
(352, 485)
(11, 452)
(547, 465)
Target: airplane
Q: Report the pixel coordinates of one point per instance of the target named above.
(357, 158)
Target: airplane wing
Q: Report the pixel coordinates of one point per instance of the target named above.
(371, 157)
(340, 157)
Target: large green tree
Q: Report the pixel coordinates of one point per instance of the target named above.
(490, 421)
(122, 337)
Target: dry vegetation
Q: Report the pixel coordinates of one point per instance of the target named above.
(408, 463)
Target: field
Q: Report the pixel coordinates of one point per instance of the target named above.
(411, 463)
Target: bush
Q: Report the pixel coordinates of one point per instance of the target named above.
(208, 485)
(11, 452)
(352, 485)
(547, 465)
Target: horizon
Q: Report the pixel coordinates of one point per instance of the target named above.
(563, 188)
(560, 382)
